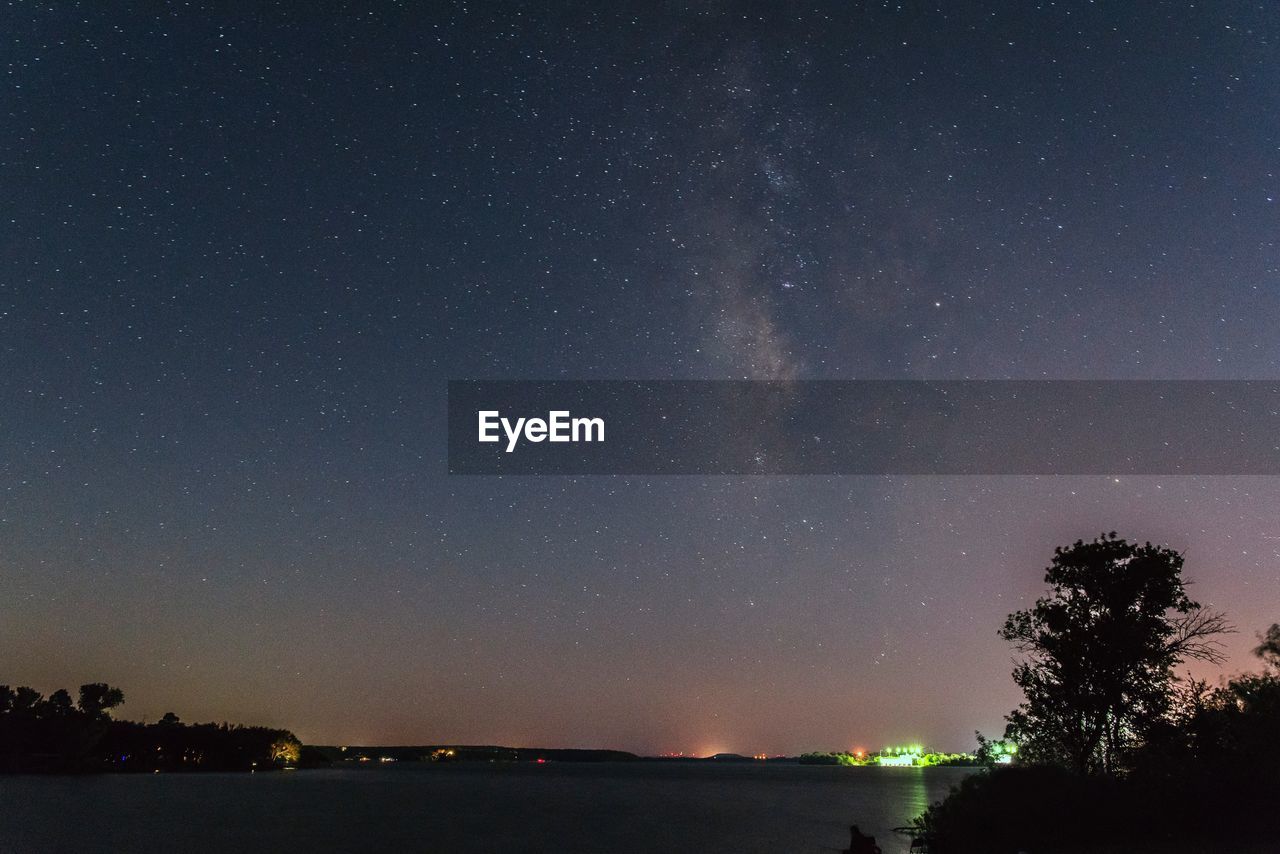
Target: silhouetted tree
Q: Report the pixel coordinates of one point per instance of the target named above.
(1269, 649)
(59, 704)
(97, 698)
(1100, 652)
(26, 701)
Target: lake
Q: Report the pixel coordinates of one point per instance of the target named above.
(463, 807)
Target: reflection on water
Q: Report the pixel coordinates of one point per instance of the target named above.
(637, 807)
(921, 795)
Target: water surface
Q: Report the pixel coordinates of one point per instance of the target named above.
(624, 807)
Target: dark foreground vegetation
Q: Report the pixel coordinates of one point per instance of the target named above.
(55, 734)
(1115, 753)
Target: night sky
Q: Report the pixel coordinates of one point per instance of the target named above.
(241, 256)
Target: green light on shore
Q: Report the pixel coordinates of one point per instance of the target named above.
(898, 751)
(900, 756)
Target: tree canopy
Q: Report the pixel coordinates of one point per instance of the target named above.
(1100, 652)
(51, 733)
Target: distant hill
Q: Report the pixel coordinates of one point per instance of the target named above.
(462, 753)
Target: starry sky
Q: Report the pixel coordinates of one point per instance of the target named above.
(242, 254)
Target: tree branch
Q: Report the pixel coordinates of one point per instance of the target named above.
(1195, 636)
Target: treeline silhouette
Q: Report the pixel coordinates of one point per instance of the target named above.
(1114, 752)
(55, 734)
